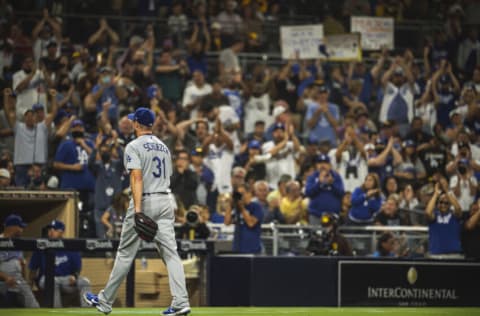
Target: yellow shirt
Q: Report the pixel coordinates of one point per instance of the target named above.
(291, 208)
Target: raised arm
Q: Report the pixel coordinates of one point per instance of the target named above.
(54, 110)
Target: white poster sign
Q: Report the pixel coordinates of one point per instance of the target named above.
(343, 47)
(301, 41)
(376, 33)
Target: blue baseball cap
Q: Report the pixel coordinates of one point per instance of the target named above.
(143, 116)
(77, 123)
(60, 115)
(152, 91)
(254, 144)
(14, 220)
(198, 151)
(57, 225)
(37, 107)
(279, 126)
(323, 158)
(409, 143)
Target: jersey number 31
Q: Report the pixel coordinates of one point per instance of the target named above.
(160, 166)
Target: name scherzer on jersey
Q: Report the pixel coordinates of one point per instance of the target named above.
(152, 156)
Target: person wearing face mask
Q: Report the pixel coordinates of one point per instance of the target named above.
(13, 286)
(107, 170)
(71, 161)
(105, 91)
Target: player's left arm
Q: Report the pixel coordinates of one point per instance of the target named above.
(136, 183)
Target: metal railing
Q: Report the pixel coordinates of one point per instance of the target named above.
(281, 240)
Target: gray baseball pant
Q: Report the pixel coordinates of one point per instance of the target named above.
(62, 285)
(159, 208)
(22, 289)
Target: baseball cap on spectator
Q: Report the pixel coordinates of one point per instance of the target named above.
(322, 158)
(463, 145)
(4, 173)
(322, 88)
(37, 107)
(453, 113)
(52, 182)
(105, 70)
(369, 146)
(312, 141)
(14, 220)
(216, 26)
(143, 116)
(197, 151)
(254, 144)
(409, 143)
(445, 79)
(152, 91)
(27, 110)
(278, 110)
(57, 225)
(77, 123)
(60, 115)
(76, 54)
(398, 71)
(279, 126)
(136, 40)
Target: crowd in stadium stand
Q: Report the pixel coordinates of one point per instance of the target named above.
(390, 142)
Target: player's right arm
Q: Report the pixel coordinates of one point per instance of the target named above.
(136, 182)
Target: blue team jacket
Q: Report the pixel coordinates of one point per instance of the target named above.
(324, 198)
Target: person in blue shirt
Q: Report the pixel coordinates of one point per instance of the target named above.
(68, 265)
(105, 91)
(322, 117)
(366, 201)
(446, 89)
(385, 246)
(71, 161)
(14, 289)
(325, 189)
(247, 215)
(443, 213)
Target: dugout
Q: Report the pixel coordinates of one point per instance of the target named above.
(39, 208)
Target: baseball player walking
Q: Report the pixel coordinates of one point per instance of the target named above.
(150, 216)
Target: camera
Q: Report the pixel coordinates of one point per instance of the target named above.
(236, 196)
(192, 218)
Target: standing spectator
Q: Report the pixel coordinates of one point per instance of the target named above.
(184, 181)
(322, 118)
(178, 23)
(12, 266)
(218, 41)
(103, 39)
(247, 216)
(468, 50)
(464, 185)
(409, 203)
(68, 265)
(257, 108)
(106, 165)
(169, 75)
(7, 139)
(228, 63)
(254, 164)
(105, 91)
(443, 213)
(5, 179)
(282, 151)
(198, 46)
(45, 31)
(71, 160)
(29, 85)
(112, 218)
(325, 190)
(31, 139)
(445, 89)
(410, 170)
(385, 246)
(471, 233)
(397, 104)
(193, 93)
(366, 201)
(219, 149)
(205, 176)
(230, 22)
(384, 159)
(350, 161)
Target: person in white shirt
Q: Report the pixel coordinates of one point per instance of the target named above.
(219, 149)
(231, 23)
(46, 31)
(282, 150)
(464, 185)
(257, 108)
(29, 84)
(194, 93)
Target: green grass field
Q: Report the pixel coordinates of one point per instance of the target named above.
(252, 311)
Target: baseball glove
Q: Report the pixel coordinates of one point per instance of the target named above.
(145, 227)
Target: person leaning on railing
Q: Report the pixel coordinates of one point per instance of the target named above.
(443, 214)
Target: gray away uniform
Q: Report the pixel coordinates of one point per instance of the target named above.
(149, 154)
